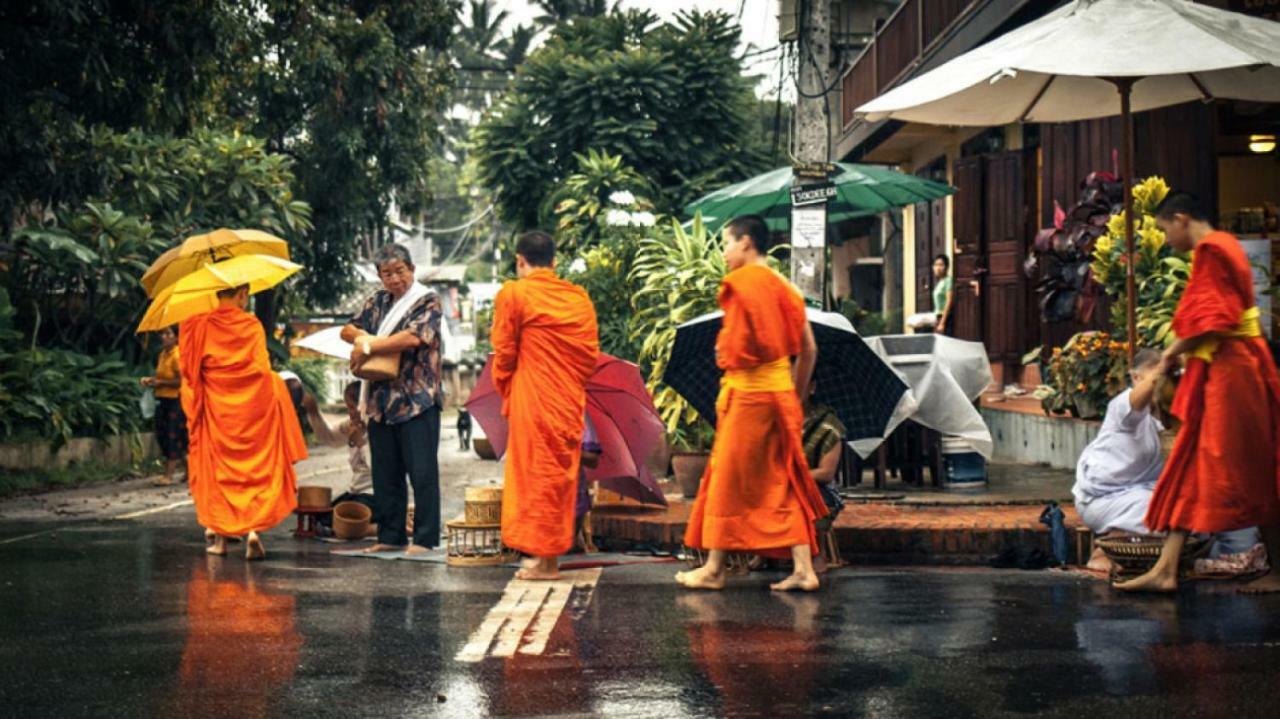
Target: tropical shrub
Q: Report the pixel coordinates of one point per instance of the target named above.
(678, 275)
(1060, 263)
(602, 217)
(1160, 273)
(1085, 373)
(58, 394)
(313, 372)
(74, 275)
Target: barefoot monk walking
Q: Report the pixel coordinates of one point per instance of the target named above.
(544, 349)
(1224, 471)
(757, 494)
(244, 432)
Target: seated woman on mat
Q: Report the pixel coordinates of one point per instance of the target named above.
(1117, 472)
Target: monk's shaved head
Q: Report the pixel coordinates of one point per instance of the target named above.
(537, 248)
(752, 227)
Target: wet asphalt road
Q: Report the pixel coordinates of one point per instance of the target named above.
(130, 618)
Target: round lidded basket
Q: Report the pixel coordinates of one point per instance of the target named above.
(314, 497)
(1135, 554)
(483, 505)
(475, 545)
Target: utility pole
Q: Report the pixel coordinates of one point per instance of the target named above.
(813, 145)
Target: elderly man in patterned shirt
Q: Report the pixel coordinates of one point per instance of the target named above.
(404, 413)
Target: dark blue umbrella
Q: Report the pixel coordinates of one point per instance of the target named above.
(852, 379)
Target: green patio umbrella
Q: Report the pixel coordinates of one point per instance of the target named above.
(861, 190)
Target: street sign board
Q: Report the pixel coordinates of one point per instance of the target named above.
(814, 170)
(812, 194)
(808, 227)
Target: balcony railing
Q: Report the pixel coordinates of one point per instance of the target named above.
(898, 46)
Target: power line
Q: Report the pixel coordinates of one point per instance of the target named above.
(463, 226)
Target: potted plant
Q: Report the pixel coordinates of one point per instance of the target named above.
(1084, 374)
(678, 273)
(691, 450)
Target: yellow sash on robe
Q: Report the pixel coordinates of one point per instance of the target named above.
(773, 376)
(1250, 326)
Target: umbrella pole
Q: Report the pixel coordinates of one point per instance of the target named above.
(1125, 86)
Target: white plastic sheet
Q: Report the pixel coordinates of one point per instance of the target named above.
(946, 375)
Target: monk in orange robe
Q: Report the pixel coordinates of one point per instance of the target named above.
(757, 494)
(1224, 471)
(244, 433)
(544, 349)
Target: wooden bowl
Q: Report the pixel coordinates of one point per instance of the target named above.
(314, 497)
(351, 520)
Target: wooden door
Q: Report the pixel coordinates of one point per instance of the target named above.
(1006, 234)
(968, 258)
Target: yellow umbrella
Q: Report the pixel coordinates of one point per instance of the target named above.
(197, 293)
(199, 250)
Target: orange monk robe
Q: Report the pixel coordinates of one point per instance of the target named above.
(757, 493)
(544, 349)
(1224, 471)
(244, 432)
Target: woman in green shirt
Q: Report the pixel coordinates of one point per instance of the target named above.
(942, 293)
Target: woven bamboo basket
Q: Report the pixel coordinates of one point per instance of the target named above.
(483, 505)
(1135, 554)
(314, 497)
(475, 545)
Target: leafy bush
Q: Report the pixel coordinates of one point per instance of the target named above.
(59, 394)
(314, 374)
(1160, 273)
(867, 324)
(601, 223)
(678, 274)
(75, 274)
(1085, 373)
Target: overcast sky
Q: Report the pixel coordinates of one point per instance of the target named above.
(759, 20)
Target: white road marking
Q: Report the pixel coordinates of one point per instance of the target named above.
(25, 536)
(155, 510)
(519, 619)
(523, 619)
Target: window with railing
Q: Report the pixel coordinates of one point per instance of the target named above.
(897, 46)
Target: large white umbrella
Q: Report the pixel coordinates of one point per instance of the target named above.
(1097, 58)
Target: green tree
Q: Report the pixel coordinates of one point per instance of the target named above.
(74, 274)
(354, 92)
(669, 98)
(70, 65)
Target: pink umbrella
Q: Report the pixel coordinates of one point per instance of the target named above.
(620, 408)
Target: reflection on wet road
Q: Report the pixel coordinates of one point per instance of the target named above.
(131, 618)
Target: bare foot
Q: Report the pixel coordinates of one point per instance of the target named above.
(1269, 584)
(1149, 582)
(217, 546)
(416, 550)
(700, 578)
(379, 547)
(164, 482)
(797, 583)
(253, 549)
(209, 537)
(539, 570)
(537, 575)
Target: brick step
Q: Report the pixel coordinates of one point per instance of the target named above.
(873, 532)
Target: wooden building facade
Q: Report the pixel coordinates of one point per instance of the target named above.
(1008, 178)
